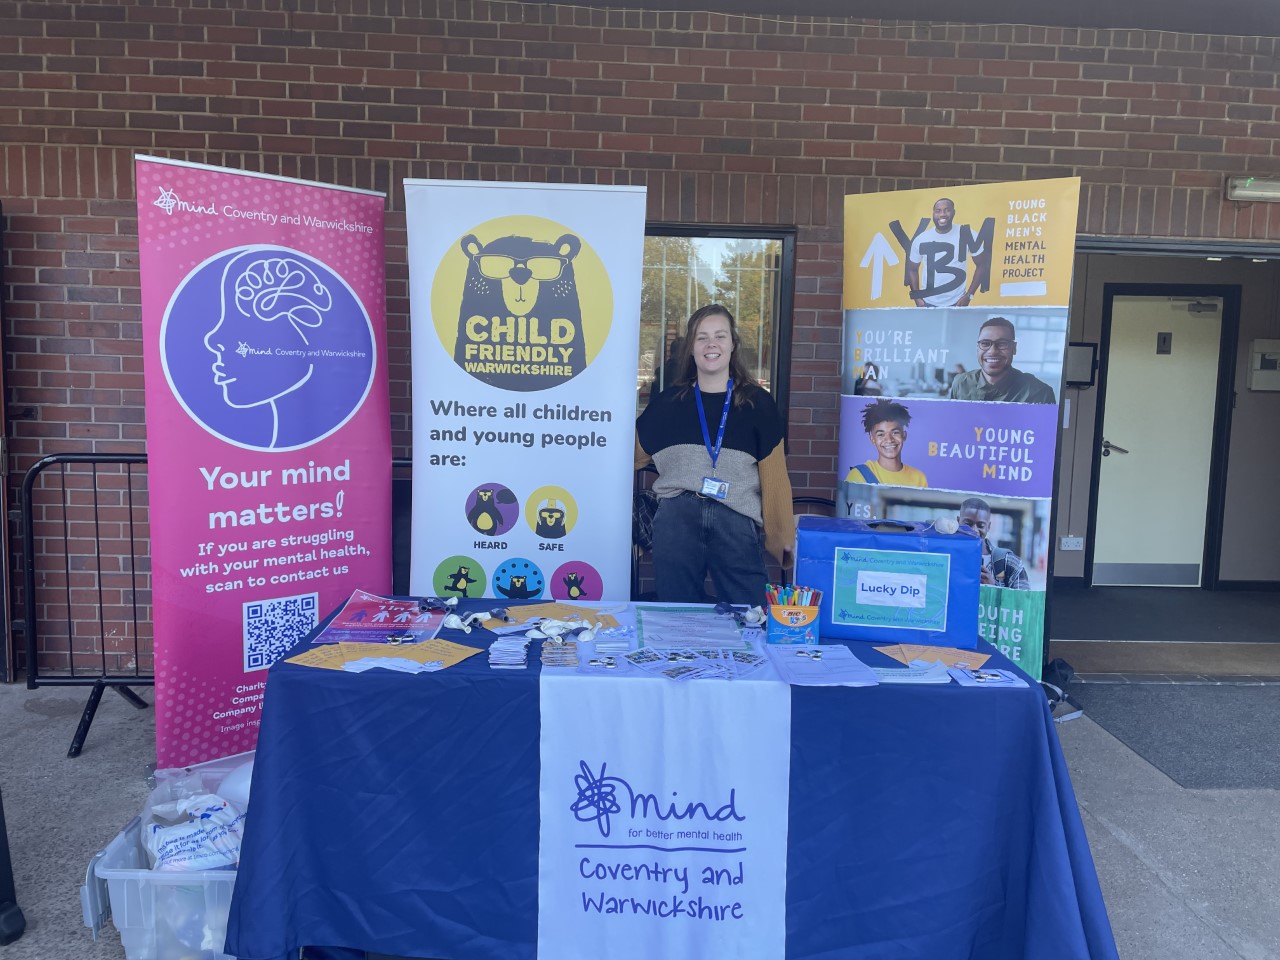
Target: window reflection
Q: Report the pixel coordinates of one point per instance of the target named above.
(681, 273)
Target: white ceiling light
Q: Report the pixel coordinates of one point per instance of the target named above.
(1253, 188)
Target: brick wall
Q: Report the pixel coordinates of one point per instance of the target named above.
(725, 119)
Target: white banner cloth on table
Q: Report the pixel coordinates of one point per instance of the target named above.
(663, 813)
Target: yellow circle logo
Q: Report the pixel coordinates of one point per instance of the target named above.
(522, 303)
(551, 512)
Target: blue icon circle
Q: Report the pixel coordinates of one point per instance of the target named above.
(518, 579)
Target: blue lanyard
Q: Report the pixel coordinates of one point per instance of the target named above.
(713, 452)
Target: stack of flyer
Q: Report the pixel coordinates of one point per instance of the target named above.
(821, 665)
(509, 653)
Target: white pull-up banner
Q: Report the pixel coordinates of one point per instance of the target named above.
(525, 304)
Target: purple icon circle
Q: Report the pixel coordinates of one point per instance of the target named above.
(576, 580)
(492, 509)
(267, 348)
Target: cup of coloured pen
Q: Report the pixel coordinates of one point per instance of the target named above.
(793, 613)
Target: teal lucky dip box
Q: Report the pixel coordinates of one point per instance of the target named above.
(891, 581)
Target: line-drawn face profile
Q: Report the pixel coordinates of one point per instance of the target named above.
(267, 348)
(274, 303)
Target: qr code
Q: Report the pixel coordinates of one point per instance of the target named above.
(273, 626)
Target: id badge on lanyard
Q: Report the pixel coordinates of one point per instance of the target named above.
(713, 486)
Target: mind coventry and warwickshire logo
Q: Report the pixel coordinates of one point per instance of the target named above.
(168, 201)
(267, 348)
(600, 798)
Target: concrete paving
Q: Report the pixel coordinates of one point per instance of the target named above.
(1187, 874)
(60, 812)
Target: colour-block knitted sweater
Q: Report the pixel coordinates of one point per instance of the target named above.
(751, 457)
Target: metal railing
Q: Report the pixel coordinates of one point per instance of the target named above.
(86, 506)
(71, 518)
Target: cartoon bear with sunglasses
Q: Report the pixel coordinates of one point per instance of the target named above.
(520, 322)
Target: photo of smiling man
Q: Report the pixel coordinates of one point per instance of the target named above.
(996, 378)
(937, 271)
(886, 423)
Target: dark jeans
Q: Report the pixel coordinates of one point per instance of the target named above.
(693, 534)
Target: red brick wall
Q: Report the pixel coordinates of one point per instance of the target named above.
(725, 119)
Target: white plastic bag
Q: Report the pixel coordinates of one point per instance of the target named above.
(193, 833)
(235, 785)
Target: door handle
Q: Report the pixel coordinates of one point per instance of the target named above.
(1108, 446)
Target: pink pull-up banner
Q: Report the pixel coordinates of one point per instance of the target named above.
(268, 434)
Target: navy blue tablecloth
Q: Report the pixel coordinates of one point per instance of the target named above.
(399, 814)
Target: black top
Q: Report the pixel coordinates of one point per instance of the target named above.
(754, 428)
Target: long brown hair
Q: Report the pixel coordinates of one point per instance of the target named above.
(687, 369)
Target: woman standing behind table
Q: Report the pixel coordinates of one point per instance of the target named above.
(724, 496)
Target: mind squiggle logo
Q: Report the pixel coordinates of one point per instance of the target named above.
(166, 201)
(598, 799)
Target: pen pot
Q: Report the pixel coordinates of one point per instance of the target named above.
(791, 624)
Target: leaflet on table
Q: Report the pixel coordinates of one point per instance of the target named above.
(509, 653)
(688, 624)
(369, 618)
(336, 656)
(934, 673)
(396, 664)
(702, 663)
(826, 665)
(909, 653)
(994, 677)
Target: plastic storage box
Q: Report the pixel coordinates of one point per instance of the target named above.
(162, 915)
